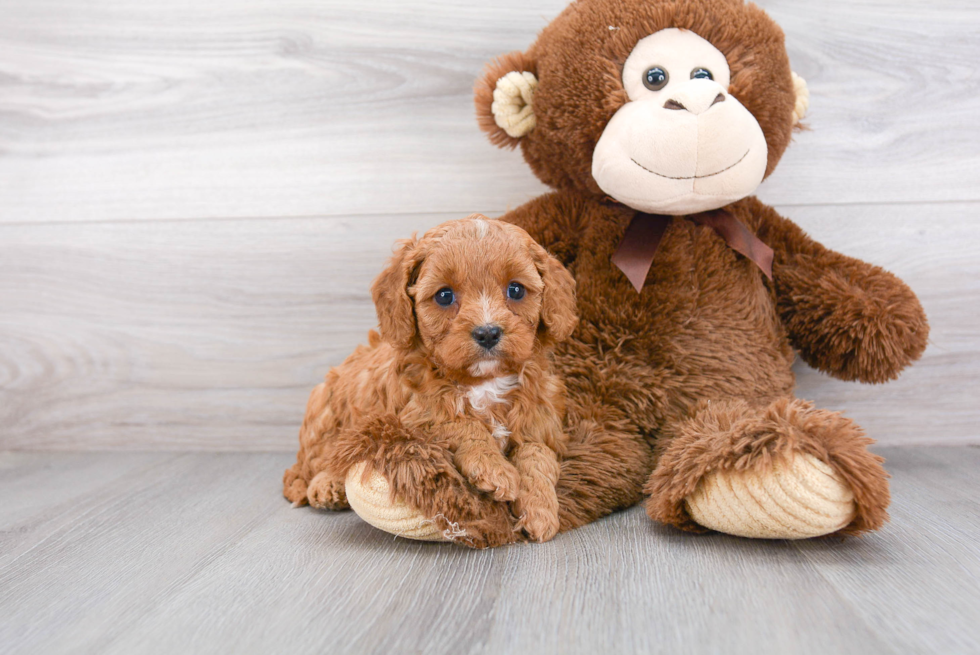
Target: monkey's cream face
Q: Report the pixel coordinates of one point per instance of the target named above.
(682, 144)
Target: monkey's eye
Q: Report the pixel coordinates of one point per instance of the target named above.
(655, 78)
(445, 297)
(701, 74)
(515, 291)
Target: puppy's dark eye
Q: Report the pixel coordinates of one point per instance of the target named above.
(515, 291)
(655, 78)
(445, 297)
(701, 74)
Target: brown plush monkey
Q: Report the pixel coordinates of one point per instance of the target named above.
(654, 121)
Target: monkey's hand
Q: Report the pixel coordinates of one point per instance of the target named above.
(848, 318)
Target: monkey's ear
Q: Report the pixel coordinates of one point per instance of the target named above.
(558, 314)
(396, 313)
(504, 97)
(802, 100)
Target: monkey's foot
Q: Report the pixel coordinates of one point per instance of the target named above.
(447, 509)
(783, 471)
(372, 500)
(794, 499)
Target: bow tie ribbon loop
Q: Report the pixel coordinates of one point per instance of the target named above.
(635, 253)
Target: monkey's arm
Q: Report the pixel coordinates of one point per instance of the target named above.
(847, 318)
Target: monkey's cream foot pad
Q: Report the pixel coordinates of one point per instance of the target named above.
(371, 499)
(795, 499)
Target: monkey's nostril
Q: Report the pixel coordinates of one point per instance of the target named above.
(673, 104)
(487, 335)
(718, 98)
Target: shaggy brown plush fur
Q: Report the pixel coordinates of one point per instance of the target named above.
(693, 373)
(429, 388)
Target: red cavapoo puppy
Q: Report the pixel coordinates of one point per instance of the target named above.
(468, 314)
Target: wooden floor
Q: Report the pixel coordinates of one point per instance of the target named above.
(196, 552)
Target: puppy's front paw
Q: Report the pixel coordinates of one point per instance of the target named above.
(501, 479)
(540, 523)
(325, 492)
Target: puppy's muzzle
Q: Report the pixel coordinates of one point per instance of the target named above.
(487, 336)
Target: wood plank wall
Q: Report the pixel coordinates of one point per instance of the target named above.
(194, 197)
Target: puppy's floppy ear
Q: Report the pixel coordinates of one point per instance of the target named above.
(558, 299)
(396, 313)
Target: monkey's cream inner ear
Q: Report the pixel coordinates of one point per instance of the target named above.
(802, 98)
(512, 106)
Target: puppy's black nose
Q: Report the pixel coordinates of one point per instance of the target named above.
(487, 335)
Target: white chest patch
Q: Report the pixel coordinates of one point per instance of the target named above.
(491, 392)
(501, 434)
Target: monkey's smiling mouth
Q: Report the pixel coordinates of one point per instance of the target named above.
(692, 177)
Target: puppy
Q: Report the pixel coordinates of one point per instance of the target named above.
(469, 314)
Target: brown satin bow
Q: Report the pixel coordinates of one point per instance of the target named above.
(635, 253)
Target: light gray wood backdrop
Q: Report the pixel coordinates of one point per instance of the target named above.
(194, 197)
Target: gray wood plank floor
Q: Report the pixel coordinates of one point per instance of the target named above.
(197, 552)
